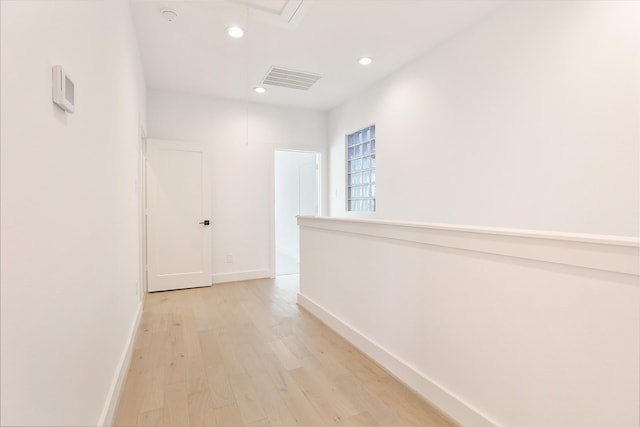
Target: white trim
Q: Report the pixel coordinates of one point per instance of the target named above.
(239, 275)
(142, 207)
(518, 232)
(452, 405)
(272, 215)
(618, 254)
(113, 398)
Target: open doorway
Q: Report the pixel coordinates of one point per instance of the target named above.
(296, 193)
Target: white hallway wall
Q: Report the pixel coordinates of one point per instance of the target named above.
(242, 167)
(495, 327)
(529, 119)
(69, 208)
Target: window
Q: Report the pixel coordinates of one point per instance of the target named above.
(361, 170)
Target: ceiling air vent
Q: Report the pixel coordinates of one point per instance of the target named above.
(278, 76)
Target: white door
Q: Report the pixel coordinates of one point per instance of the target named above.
(178, 216)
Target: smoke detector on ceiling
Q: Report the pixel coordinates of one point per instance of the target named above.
(169, 14)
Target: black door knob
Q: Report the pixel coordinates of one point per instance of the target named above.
(205, 222)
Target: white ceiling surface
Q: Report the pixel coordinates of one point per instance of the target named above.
(193, 53)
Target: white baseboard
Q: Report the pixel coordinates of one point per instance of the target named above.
(108, 412)
(434, 393)
(240, 275)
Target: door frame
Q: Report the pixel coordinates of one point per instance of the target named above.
(142, 208)
(319, 152)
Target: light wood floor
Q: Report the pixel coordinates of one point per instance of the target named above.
(244, 354)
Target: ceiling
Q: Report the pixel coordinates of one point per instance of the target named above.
(194, 54)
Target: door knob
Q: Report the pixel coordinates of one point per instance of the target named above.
(205, 222)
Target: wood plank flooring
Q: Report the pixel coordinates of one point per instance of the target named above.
(244, 354)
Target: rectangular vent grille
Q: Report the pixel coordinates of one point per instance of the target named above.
(278, 76)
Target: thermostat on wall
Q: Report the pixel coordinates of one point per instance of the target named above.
(63, 89)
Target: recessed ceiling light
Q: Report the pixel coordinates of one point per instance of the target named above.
(235, 32)
(259, 89)
(365, 60)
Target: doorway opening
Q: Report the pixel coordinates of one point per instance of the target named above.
(296, 193)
